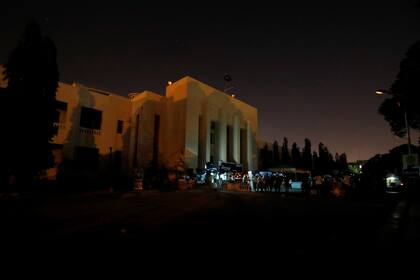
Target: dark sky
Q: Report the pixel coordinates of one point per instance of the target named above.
(311, 70)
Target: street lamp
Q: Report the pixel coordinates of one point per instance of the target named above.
(407, 127)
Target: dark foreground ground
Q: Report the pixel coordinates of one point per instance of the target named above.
(248, 227)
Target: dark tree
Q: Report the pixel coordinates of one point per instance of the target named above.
(32, 75)
(405, 95)
(336, 157)
(296, 156)
(276, 154)
(265, 157)
(315, 163)
(325, 161)
(285, 156)
(378, 166)
(306, 155)
(330, 167)
(342, 163)
(336, 162)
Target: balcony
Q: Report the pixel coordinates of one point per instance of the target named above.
(59, 126)
(89, 131)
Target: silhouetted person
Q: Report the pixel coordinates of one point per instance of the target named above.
(287, 185)
(318, 184)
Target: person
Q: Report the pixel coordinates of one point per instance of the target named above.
(347, 184)
(287, 184)
(305, 185)
(222, 181)
(245, 186)
(257, 182)
(318, 184)
(251, 181)
(212, 180)
(138, 180)
(218, 181)
(309, 184)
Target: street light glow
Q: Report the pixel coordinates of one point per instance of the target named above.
(382, 92)
(407, 127)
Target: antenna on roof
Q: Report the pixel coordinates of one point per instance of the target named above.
(228, 86)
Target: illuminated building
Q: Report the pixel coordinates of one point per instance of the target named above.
(191, 125)
(356, 167)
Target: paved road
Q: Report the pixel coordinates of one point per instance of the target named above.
(206, 222)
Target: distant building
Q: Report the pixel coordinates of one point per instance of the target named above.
(356, 167)
(192, 124)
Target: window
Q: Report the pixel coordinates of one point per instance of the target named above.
(90, 118)
(60, 112)
(61, 106)
(119, 127)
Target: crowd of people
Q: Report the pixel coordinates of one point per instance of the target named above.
(249, 181)
(327, 185)
(262, 181)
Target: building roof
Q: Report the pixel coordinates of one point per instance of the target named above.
(233, 96)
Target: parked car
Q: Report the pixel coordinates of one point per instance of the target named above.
(393, 182)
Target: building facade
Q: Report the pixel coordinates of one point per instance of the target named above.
(189, 126)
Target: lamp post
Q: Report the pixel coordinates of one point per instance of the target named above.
(407, 127)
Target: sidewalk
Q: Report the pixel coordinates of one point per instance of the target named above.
(412, 230)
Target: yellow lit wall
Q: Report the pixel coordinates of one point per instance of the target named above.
(188, 101)
(185, 112)
(106, 139)
(145, 106)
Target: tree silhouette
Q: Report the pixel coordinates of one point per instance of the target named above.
(285, 156)
(265, 157)
(276, 155)
(336, 162)
(405, 94)
(306, 155)
(378, 166)
(325, 160)
(32, 75)
(296, 156)
(315, 163)
(342, 163)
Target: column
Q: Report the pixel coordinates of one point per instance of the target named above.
(249, 149)
(236, 145)
(221, 143)
(207, 122)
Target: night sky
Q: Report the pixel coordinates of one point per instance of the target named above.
(311, 70)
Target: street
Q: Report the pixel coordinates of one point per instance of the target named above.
(289, 225)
